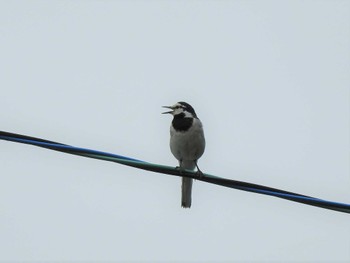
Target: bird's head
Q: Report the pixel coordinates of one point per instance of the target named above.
(181, 108)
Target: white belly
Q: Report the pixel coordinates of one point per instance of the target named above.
(189, 145)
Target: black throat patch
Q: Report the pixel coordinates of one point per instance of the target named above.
(180, 123)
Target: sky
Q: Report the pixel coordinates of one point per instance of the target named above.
(270, 82)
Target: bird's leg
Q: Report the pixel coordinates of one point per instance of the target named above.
(199, 172)
(179, 168)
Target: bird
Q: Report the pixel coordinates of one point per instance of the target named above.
(187, 144)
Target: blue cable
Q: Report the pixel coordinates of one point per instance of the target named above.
(162, 169)
(68, 147)
(306, 198)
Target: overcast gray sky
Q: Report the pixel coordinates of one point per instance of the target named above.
(269, 80)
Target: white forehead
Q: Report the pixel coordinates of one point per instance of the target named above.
(179, 108)
(177, 105)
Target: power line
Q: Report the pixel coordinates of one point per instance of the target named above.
(244, 186)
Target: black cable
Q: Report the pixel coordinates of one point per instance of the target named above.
(255, 188)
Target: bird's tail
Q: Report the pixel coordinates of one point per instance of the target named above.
(186, 188)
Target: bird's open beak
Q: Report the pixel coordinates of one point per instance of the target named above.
(168, 107)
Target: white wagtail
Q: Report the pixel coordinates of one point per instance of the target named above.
(187, 143)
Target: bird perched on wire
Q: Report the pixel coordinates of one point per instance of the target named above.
(187, 143)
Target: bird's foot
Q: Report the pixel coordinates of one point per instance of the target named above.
(199, 173)
(179, 169)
